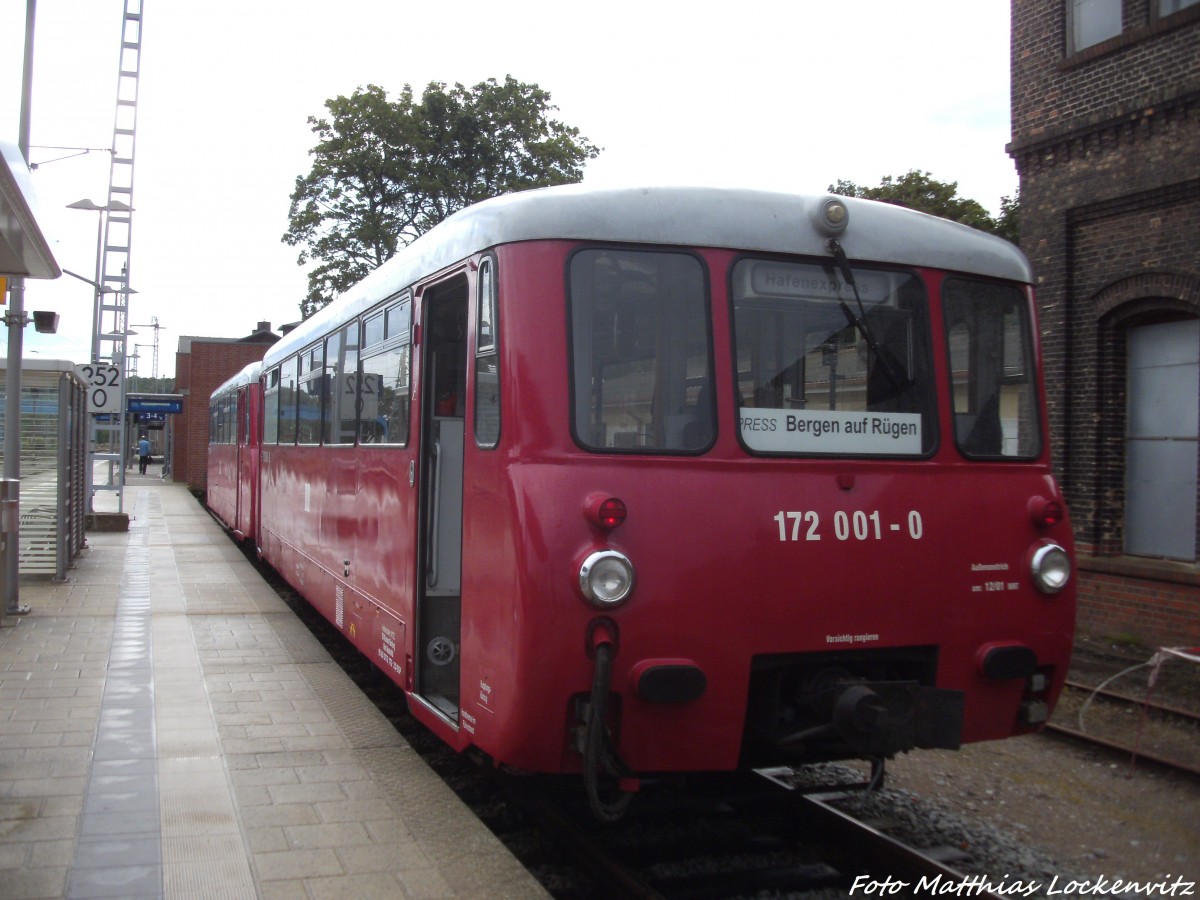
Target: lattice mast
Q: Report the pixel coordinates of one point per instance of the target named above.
(110, 342)
(112, 323)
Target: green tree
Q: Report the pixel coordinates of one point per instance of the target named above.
(918, 190)
(386, 171)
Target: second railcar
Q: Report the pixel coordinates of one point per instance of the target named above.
(235, 417)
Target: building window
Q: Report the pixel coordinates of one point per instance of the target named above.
(1163, 376)
(1093, 21)
(1167, 7)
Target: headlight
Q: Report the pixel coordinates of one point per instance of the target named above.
(606, 578)
(831, 216)
(1050, 568)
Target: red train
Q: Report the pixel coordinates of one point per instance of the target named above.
(643, 481)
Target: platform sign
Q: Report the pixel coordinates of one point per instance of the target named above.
(159, 406)
(103, 382)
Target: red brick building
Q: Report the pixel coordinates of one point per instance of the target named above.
(1106, 140)
(201, 365)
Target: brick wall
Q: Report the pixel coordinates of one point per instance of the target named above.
(1107, 147)
(1155, 613)
(197, 375)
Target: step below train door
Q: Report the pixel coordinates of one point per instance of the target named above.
(443, 399)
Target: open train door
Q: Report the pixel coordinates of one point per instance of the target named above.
(443, 379)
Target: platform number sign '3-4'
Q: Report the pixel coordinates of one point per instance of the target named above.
(103, 382)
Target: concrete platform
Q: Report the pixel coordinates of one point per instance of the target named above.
(169, 729)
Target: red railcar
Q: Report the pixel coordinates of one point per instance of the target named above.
(626, 482)
(234, 439)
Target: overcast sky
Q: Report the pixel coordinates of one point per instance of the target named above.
(787, 95)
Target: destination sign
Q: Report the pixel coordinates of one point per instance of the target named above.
(818, 431)
(771, 279)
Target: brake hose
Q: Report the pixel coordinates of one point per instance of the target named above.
(599, 755)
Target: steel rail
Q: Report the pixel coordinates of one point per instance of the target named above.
(901, 861)
(1139, 701)
(1135, 754)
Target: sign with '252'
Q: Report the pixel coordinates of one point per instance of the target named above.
(103, 382)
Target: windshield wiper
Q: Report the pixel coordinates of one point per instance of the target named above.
(860, 322)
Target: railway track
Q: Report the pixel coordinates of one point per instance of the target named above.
(1131, 725)
(732, 837)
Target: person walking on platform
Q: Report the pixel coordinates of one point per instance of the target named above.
(143, 454)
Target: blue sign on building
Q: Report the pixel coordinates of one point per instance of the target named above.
(146, 405)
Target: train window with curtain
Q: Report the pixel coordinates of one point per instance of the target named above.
(990, 342)
(830, 368)
(642, 354)
(384, 386)
(311, 387)
(287, 401)
(487, 361)
(271, 408)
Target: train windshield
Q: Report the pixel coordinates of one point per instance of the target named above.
(825, 369)
(642, 372)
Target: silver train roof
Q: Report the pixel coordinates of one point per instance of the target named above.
(758, 221)
(248, 374)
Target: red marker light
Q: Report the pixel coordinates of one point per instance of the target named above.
(605, 512)
(1045, 513)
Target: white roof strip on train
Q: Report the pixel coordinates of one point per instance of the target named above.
(245, 376)
(755, 221)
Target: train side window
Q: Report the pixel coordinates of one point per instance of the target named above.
(373, 331)
(487, 361)
(227, 419)
(271, 408)
(990, 344)
(287, 401)
(399, 319)
(310, 390)
(384, 383)
(641, 352)
(243, 418)
(340, 421)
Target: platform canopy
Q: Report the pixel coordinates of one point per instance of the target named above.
(24, 249)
